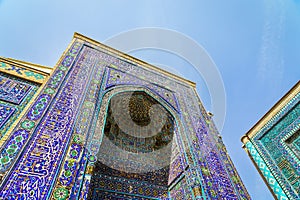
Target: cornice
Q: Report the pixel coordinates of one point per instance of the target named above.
(24, 70)
(272, 112)
(27, 65)
(132, 59)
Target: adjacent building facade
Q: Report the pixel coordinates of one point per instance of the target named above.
(273, 144)
(104, 125)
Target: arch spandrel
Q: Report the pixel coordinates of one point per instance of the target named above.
(117, 77)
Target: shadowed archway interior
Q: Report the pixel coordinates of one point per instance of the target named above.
(134, 157)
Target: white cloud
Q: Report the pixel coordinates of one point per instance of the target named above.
(271, 60)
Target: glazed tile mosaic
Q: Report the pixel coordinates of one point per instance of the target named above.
(108, 126)
(274, 146)
(15, 94)
(13, 91)
(5, 113)
(22, 72)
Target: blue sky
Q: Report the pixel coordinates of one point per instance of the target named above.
(254, 44)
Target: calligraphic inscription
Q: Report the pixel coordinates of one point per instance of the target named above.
(33, 176)
(12, 90)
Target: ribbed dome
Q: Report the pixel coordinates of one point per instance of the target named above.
(139, 106)
(136, 123)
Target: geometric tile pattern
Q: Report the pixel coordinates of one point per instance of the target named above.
(266, 172)
(152, 179)
(58, 139)
(128, 179)
(12, 90)
(23, 72)
(72, 172)
(191, 110)
(117, 77)
(32, 176)
(5, 113)
(271, 143)
(194, 116)
(15, 95)
(292, 143)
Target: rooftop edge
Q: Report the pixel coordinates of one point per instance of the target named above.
(131, 58)
(271, 113)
